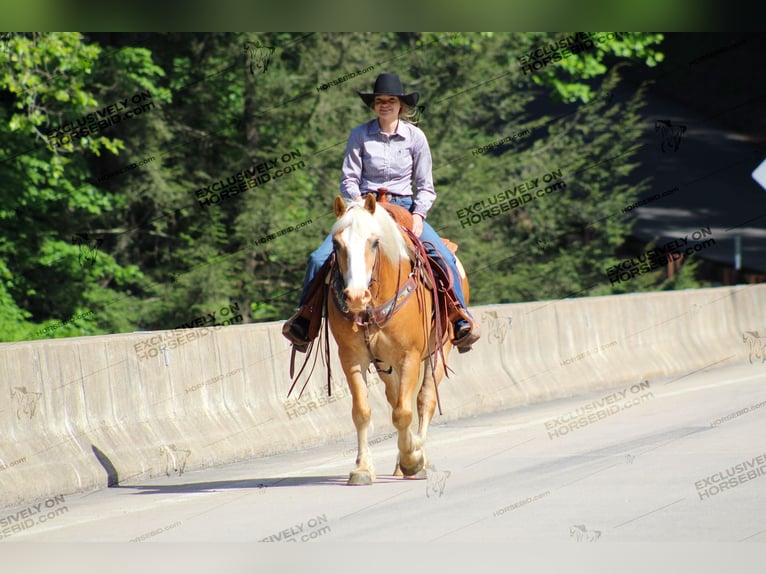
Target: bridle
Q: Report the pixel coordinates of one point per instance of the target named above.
(377, 316)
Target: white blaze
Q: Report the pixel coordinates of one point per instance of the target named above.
(357, 277)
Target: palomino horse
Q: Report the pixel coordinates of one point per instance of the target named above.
(382, 313)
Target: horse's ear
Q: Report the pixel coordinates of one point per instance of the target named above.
(339, 206)
(369, 203)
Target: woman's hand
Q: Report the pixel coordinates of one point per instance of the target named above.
(417, 224)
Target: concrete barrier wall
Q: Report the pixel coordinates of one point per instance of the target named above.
(84, 413)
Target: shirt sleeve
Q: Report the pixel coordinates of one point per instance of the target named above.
(351, 172)
(421, 175)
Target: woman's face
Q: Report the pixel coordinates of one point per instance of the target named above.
(387, 107)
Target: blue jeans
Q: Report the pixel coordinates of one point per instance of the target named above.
(318, 258)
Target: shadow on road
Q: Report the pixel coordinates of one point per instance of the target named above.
(214, 486)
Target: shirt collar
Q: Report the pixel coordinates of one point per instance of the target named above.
(402, 130)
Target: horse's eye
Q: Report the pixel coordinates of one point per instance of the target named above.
(335, 244)
(375, 243)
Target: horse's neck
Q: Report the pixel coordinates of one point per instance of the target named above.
(391, 277)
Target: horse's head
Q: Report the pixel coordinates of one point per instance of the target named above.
(360, 236)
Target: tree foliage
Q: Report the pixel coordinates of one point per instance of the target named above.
(105, 233)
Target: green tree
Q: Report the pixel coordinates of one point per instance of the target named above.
(110, 226)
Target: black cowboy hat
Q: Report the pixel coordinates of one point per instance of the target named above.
(389, 85)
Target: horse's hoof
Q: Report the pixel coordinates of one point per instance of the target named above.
(419, 475)
(359, 478)
(411, 471)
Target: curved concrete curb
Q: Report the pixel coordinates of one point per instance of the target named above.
(86, 413)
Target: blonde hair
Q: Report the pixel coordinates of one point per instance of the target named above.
(407, 113)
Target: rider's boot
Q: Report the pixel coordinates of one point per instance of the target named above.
(465, 329)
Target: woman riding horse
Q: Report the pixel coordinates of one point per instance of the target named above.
(381, 314)
(388, 153)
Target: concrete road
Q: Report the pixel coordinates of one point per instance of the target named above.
(680, 459)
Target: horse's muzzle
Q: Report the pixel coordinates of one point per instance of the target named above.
(357, 299)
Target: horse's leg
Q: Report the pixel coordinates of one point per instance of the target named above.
(427, 397)
(356, 375)
(410, 455)
(391, 381)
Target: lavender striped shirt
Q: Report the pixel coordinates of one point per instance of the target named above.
(374, 159)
